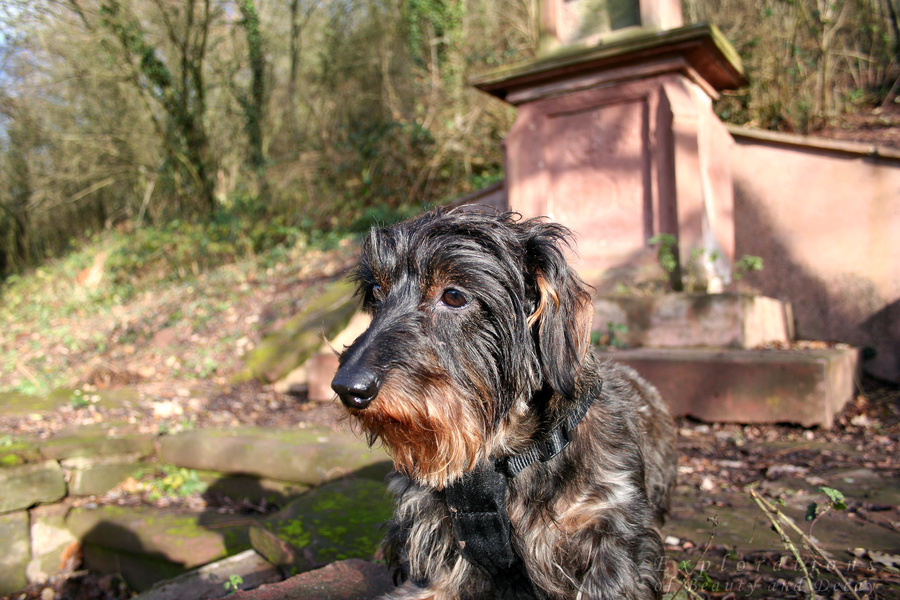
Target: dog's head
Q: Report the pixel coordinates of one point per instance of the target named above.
(472, 315)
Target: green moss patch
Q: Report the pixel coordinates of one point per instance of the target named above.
(295, 342)
(337, 521)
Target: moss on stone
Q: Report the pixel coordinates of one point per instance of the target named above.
(326, 314)
(337, 521)
(184, 527)
(11, 460)
(293, 532)
(13, 404)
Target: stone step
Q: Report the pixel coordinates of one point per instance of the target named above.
(336, 521)
(675, 320)
(692, 320)
(339, 520)
(209, 581)
(90, 441)
(53, 547)
(84, 441)
(26, 485)
(808, 387)
(14, 404)
(325, 315)
(305, 456)
(353, 578)
(16, 551)
(147, 544)
(261, 465)
(96, 476)
(187, 537)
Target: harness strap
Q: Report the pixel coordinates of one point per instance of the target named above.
(556, 440)
(478, 513)
(477, 503)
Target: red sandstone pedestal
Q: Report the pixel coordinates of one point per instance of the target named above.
(619, 142)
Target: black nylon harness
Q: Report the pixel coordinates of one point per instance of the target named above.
(477, 503)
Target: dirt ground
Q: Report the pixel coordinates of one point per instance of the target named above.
(717, 463)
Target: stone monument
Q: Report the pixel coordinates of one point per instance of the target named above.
(616, 136)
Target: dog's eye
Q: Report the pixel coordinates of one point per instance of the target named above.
(453, 298)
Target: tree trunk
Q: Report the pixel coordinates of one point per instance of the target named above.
(255, 103)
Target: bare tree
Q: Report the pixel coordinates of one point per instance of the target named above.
(254, 101)
(180, 91)
(152, 109)
(810, 62)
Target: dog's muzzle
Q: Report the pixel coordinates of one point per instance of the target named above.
(356, 385)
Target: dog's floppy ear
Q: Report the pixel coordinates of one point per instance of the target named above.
(562, 311)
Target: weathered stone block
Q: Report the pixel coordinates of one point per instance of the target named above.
(13, 404)
(337, 521)
(94, 441)
(52, 544)
(338, 581)
(185, 538)
(304, 456)
(16, 551)
(28, 485)
(807, 387)
(109, 398)
(90, 476)
(322, 318)
(18, 452)
(695, 320)
(208, 581)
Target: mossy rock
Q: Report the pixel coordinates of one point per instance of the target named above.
(184, 537)
(15, 452)
(14, 404)
(16, 551)
(336, 521)
(94, 441)
(27, 485)
(306, 456)
(323, 317)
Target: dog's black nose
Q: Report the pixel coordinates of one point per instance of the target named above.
(356, 386)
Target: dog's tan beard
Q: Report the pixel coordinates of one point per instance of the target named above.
(433, 432)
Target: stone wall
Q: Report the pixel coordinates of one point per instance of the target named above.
(48, 527)
(825, 217)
